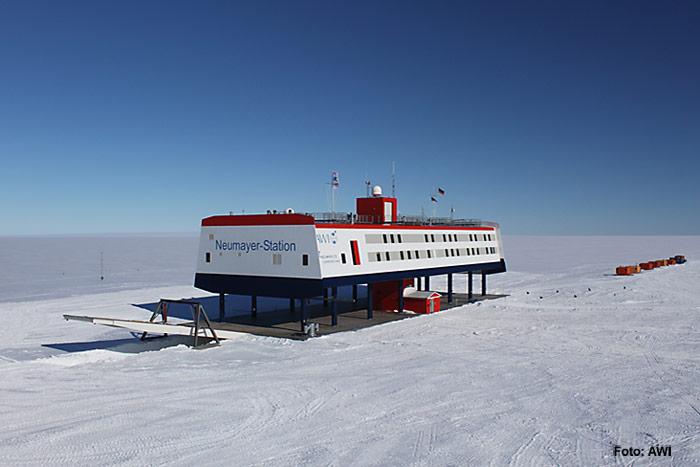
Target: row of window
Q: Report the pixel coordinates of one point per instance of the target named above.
(277, 259)
(429, 254)
(428, 238)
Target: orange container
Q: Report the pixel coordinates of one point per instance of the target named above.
(664, 262)
(671, 261)
(624, 271)
(647, 266)
(658, 263)
(636, 268)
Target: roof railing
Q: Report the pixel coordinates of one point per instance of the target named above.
(352, 218)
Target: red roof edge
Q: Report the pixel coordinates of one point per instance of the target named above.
(400, 227)
(258, 219)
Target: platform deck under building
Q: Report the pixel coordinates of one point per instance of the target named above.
(282, 323)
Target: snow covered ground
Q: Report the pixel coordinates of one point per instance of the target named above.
(523, 380)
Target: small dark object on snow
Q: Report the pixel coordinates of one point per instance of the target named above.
(575, 296)
(624, 287)
(557, 291)
(540, 297)
(528, 292)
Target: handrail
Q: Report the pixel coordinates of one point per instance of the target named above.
(351, 218)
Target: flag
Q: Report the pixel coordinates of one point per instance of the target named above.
(441, 192)
(433, 199)
(335, 181)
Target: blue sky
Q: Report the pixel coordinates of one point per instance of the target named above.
(548, 117)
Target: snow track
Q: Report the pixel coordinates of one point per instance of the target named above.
(519, 381)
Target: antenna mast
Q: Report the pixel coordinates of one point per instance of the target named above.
(393, 179)
(335, 183)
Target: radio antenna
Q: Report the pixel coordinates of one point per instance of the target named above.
(393, 179)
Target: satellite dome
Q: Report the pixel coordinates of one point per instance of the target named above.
(377, 190)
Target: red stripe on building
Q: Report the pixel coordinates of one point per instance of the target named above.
(258, 219)
(355, 252)
(399, 227)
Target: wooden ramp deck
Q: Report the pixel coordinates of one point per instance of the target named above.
(283, 323)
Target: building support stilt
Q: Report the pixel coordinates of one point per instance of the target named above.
(302, 317)
(222, 307)
(334, 306)
(483, 283)
(427, 283)
(292, 305)
(254, 306)
(401, 296)
(470, 285)
(369, 301)
(325, 296)
(354, 294)
(449, 288)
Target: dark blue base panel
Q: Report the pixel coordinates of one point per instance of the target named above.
(307, 288)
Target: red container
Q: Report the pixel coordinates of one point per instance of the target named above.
(624, 271)
(647, 266)
(671, 261)
(422, 302)
(658, 263)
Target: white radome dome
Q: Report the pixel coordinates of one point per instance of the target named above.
(377, 190)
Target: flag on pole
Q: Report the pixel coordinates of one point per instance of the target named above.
(441, 192)
(335, 181)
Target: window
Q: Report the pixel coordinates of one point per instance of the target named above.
(398, 236)
(409, 254)
(379, 256)
(426, 238)
(384, 237)
(276, 259)
(468, 252)
(392, 238)
(401, 254)
(304, 260)
(452, 251)
(432, 236)
(473, 252)
(444, 237)
(417, 255)
(207, 257)
(471, 238)
(388, 258)
(429, 254)
(447, 252)
(342, 258)
(457, 251)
